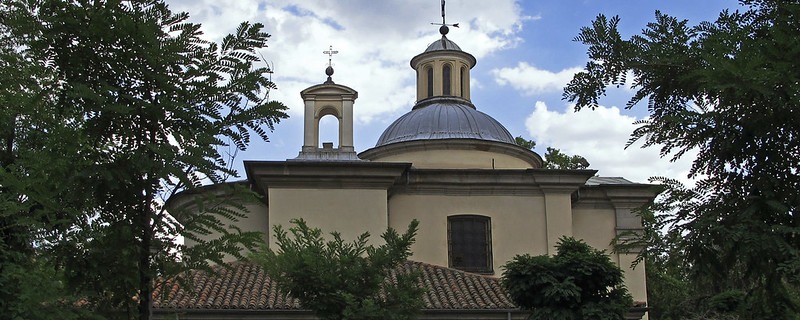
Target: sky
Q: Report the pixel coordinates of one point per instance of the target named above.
(525, 53)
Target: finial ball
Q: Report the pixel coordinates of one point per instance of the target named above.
(444, 30)
(329, 71)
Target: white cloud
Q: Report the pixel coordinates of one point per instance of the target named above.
(600, 135)
(531, 80)
(375, 40)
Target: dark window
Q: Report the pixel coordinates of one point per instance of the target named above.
(446, 80)
(461, 83)
(469, 240)
(429, 70)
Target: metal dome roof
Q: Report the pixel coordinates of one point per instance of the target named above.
(444, 118)
(443, 44)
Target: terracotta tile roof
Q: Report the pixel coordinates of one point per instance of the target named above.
(245, 286)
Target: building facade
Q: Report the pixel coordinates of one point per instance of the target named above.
(479, 197)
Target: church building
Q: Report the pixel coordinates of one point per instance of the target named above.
(480, 199)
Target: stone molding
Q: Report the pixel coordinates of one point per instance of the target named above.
(323, 174)
(505, 182)
(454, 144)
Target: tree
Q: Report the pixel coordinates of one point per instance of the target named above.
(554, 158)
(729, 90)
(669, 288)
(578, 282)
(525, 143)
(345, 280)
(109, 108)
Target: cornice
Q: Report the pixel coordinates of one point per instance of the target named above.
(328, 89)
(506, 182)
(442, 54)
(324, 174)
(454, 144)
(187, 201)
(616, 195)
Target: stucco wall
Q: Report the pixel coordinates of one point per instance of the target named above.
(597, 226)
(458, 159)
(350, 212)
(518, 224)
(634, 277)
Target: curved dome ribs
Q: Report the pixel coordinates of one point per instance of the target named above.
(443, 44)
(444, 118)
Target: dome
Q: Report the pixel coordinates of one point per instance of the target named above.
(443, 44)
(444, 118)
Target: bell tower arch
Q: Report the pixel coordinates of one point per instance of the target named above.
(328, 99)
(323, 100)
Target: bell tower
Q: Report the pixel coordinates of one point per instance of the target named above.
(322, 100)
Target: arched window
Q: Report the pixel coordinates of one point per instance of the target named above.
(446, 80)
(463, 83)
(329, 130)
(429, 72)
(328, 127)
(469, 239)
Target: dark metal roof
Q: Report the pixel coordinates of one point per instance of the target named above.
(443, 44)
(445, 118)
(595, 181)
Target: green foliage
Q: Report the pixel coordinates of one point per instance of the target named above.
(668, 287)
(578, 282)
(525, 143)
(108, 109)
(38, 290)
(554, 158)
(345, 280)
(728, 90)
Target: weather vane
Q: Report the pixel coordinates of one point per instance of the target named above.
(330, 54)
(444, 24)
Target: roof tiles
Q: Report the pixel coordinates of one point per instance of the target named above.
(245, 286)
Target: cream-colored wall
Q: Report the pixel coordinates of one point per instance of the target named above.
(518, 224)
(597, 226)
(457, 159)
(558, 211)
(634, 277)
(350, 212)
(256, 220)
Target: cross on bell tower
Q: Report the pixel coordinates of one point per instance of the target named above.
(330, 54)
(329, 70)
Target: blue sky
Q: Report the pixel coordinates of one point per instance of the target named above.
(525, 56)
